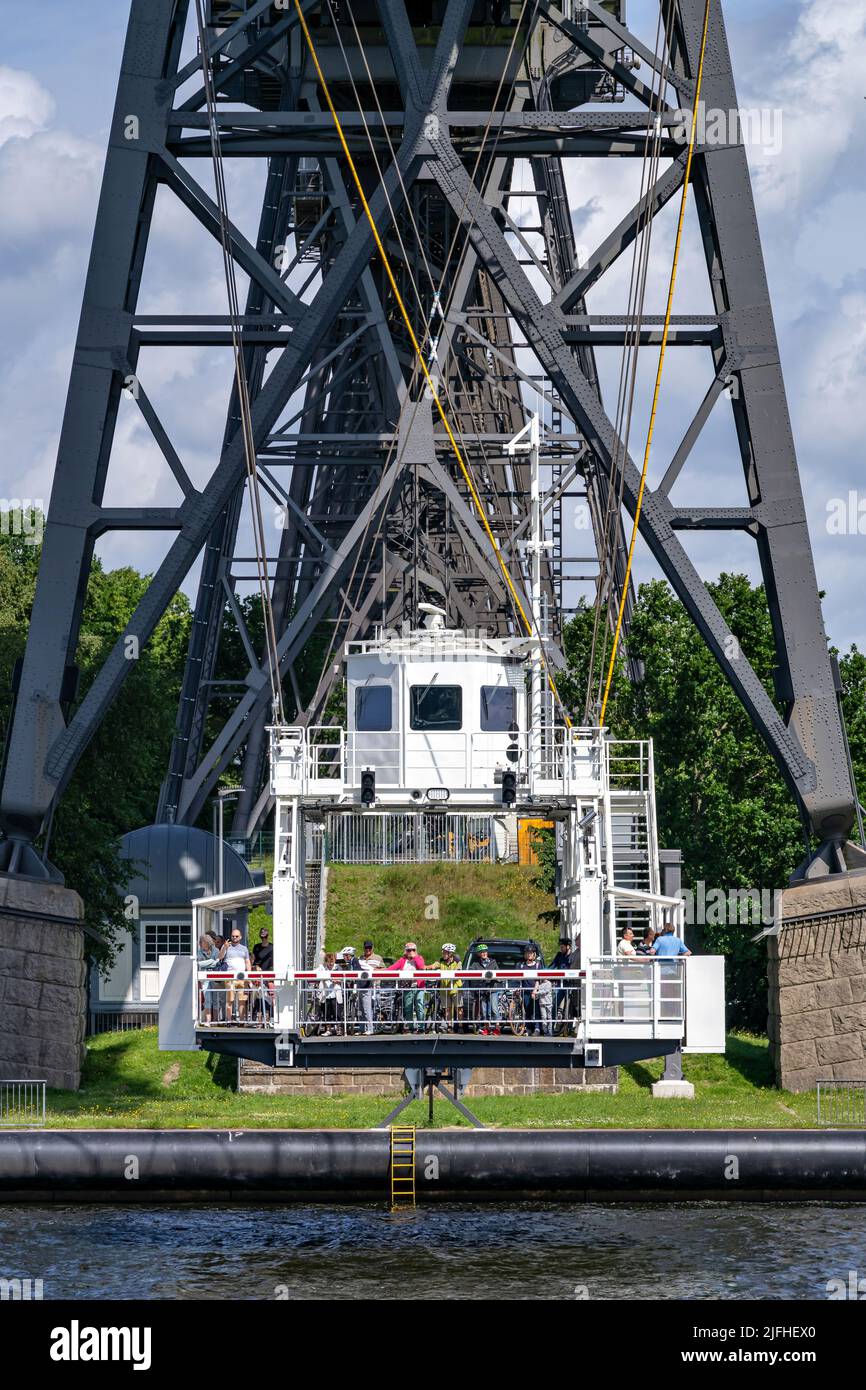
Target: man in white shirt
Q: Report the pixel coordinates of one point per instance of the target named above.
(237, 959)
(367, 992)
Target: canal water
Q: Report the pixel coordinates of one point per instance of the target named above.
(455, 1251)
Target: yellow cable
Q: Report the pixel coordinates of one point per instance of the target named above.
(665, 332)
(419, 355)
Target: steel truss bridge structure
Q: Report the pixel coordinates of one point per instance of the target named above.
(440, 102)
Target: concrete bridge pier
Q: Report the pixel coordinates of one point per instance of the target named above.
(43, 997)
(817, 982)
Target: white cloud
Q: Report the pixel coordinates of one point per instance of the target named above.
(25, 106)
(49, 183)
(818, 85)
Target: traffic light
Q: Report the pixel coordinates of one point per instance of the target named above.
(368, 786)
(509, 787)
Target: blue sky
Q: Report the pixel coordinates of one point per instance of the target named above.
(801, 57)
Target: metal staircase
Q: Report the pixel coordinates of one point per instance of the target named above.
(633, 828)
(315, 880)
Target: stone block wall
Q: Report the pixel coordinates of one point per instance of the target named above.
(489, 1081)
(817, 984)
(43, 996)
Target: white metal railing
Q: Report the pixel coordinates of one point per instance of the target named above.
(644, 992)
(228, 997)
(411, 837)
(555, 758)
(451, 644)
(842, 1104)
(630, 765)
(355, 1002)
(22, 1104)
(637, 908)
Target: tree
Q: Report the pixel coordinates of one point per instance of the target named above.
(720, 797)
(116, 784)
(852, 669)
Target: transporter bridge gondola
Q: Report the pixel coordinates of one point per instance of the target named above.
(441, 750)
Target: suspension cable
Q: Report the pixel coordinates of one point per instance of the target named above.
(664, 342)
(241, 380)
(528, 626)
(628, 369)
(447, 261)
(410, 213)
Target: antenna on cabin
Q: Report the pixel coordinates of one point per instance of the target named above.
(435, 616)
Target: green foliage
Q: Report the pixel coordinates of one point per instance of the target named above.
(721, 799)
(580, 695)
(720, 796)
(852, 669)
(543, 840)
(116, 784)
(544, 847)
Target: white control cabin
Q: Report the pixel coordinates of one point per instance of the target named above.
(436, 716)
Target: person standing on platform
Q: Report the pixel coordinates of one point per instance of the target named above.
(414, 995)
(367, 991)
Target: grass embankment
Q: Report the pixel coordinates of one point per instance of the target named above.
(128, 1083)
(392, 904)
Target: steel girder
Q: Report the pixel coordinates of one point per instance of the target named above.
(354, 492)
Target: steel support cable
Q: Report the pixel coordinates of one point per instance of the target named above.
(628, 372)
(623, 430)
(419, 239)
(625, 393)
(451, 249)
(435, 288)
(528, 626)
(450, 253)
(419, 357)
(661, 361)
(448, 258)
(241, 382)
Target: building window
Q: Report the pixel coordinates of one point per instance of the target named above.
(498, 708)
(438, 707)
(373, 709)
(166, 939)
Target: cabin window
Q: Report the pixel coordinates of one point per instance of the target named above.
(373, 709)
(437, 707)
(498, 708)
(166, 939)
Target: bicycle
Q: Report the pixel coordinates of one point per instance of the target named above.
(511, 1011)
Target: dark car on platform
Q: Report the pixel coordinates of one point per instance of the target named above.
(505, 952)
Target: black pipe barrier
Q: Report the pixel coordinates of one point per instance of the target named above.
(347, 1165)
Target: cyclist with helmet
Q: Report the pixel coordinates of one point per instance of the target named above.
(448, 994)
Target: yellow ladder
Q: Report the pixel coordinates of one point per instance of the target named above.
(402, 1165)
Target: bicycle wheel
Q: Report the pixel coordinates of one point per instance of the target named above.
(562, 1023)
(516, 1016)
(309, 1027)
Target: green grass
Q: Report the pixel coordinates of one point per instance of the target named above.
(392, 904)
(128, 1083)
